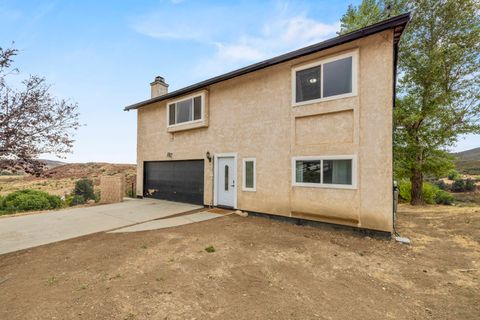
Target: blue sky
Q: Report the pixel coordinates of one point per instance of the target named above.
(103, 54)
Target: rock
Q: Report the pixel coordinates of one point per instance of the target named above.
(241, 213)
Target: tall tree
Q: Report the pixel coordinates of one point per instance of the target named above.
(369, 12)
(439, 81)
(32, 121)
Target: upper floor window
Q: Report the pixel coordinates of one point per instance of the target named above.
(324, 80)
(186, 110)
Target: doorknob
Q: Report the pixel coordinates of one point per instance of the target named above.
(233, 185)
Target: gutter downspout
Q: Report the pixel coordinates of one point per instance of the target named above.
(396, 235)
(395, 63)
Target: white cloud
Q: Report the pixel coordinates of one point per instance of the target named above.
(238, 35)
(242, 51)
(301, 29)
(277, 36)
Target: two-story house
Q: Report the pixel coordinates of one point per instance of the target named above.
(307, 134)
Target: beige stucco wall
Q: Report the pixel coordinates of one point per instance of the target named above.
(252, 115)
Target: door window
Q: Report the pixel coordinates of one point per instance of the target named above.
(226, 177)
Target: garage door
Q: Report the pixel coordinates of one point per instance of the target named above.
(180, 181)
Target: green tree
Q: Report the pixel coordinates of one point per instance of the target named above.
(439, 81)
(369, 12)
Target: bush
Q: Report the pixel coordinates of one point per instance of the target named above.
(55, 201)
(130, 193)
(441, 185)
(470, 185)
(443, 197)
(431, 193)
(97, 196)
(84, 188)
(458, 185)
(26, 200)
(453, 175)
(76, 200)
(405, 189)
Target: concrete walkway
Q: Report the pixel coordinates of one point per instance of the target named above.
(170, 222)
(22, 232)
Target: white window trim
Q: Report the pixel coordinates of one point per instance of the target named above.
(244, 174)
(326, 185)
(190, 96)
(321, 62)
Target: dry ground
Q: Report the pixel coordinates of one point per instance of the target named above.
(261, 269)
(61, 180)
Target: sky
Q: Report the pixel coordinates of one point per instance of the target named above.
(104, 54)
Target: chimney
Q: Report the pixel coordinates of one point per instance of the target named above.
(159, 87)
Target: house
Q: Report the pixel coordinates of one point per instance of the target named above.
(307, 134)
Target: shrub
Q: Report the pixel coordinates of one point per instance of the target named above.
(441, 185)
(130, 193)
(26, 200)
(68, 200)
(453, 175)
(84, 188)
(97, 196)
(431, 193)
(55, 201)
(470, 185)
(405, 189)
(210, 249)
(76, 200)
(443, 197)
(458, 185)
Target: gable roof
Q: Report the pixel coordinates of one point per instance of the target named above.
(397, 23)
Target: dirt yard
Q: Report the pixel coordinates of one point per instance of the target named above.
(260, 269)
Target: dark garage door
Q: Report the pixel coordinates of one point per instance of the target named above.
(180, 181)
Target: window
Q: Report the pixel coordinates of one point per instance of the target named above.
(337, 77)
(249, 179)
(187, 110)
(308, 84)
(328, 171)
(325, 79)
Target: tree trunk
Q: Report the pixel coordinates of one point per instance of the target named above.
(417, 187)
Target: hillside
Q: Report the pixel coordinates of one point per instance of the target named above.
(468, 162)
(60, 179)
(472, 154)
(52, 163)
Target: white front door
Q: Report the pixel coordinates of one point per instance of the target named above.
(226, 181)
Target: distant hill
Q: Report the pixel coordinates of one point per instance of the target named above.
(472, 154)
(468, 162)
(92, 170)
(52, 163)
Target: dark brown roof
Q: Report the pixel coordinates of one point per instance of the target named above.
(397, 23)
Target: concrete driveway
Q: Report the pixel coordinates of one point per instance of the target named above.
(22, 232)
